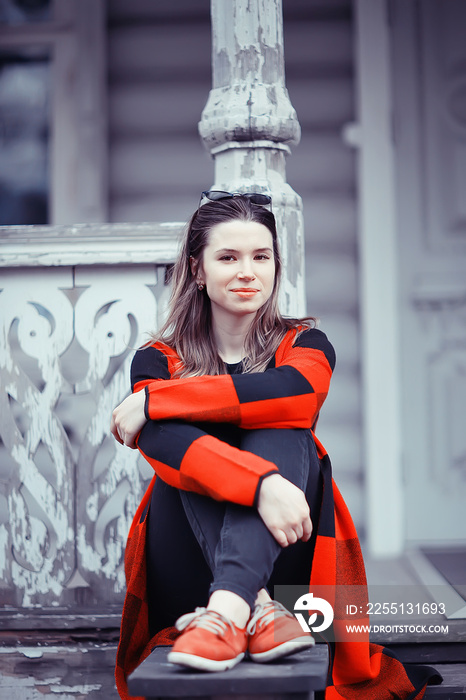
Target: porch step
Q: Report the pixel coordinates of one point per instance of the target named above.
(300, 677)
(453, 686)
(294, 678)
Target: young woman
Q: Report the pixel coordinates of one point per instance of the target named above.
(223, 407)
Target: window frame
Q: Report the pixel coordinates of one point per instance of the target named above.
(76, 41)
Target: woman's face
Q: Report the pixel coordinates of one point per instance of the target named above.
(238, 268)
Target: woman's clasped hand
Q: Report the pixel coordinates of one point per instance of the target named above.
(128, 419)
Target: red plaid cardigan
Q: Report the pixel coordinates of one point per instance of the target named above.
(289, 394)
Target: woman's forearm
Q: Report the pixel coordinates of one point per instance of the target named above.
(289, 396)
(186, 457)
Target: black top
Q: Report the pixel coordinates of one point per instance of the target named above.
(234, 367)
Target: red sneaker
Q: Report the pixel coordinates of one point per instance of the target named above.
(209, 642)
(274, 632)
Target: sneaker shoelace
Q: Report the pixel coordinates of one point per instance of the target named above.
(265, 613)
(207, 619)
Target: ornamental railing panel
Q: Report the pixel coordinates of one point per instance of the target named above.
(75, 302)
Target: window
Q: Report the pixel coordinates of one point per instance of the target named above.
(53, 125)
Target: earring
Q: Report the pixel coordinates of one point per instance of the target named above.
(200, 286)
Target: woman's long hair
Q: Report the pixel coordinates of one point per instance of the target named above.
(188, 329)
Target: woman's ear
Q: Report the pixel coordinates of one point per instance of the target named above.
(195, 270)
(194, 264)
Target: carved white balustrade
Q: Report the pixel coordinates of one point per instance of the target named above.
(75, 302)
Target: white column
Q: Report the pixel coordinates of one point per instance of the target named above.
(249, 122)
(380, 314)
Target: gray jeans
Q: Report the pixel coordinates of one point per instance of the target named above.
(197, 545)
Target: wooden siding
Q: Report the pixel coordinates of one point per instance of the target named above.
(319, 75)
(159, 80)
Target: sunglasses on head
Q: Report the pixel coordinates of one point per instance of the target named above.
(254, 197)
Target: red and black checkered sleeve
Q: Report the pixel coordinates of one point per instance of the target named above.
(288, 395)
(185, 456)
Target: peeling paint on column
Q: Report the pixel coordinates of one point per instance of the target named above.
(247, 165)
(249, 122)
(273, 63)
(247, 63)
(272, 95)
(223, 64)
(293, 252)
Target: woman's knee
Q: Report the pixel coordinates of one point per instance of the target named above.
(289, 449)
